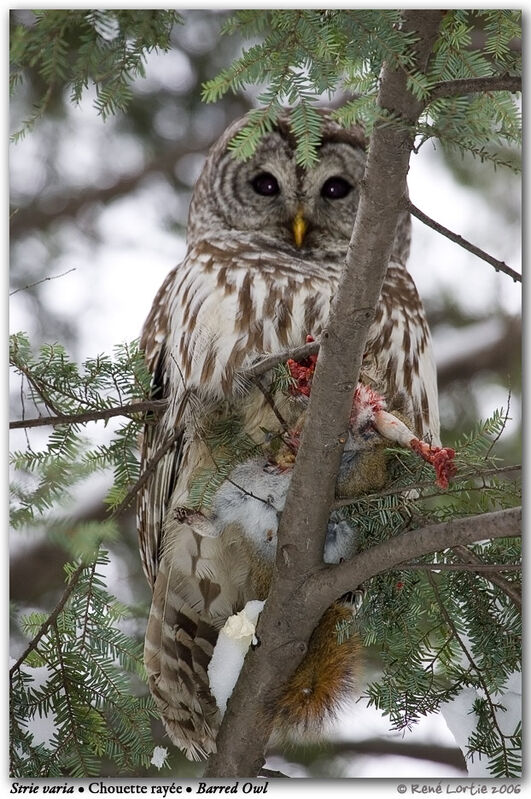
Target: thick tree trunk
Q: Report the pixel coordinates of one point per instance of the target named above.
(286, 623)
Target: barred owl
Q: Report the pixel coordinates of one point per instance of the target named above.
(266, 243)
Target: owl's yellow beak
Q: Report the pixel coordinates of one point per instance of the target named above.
(300, 226)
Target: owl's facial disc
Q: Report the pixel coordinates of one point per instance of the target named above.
(306, 211)
(334, 188)
(266, 184)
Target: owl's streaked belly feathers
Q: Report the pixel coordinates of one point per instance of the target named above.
(225, 313)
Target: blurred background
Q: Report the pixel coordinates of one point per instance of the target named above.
(98, 218)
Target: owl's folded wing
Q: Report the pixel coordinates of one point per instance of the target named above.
(161, 448)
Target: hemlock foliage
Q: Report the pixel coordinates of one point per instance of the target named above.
(434, 632)
(81, 48)
(79, 680)
(55, 385)
(421, 622)
(305, 54)
(437, 630)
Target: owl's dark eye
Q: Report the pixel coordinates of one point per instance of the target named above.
(335, 188)
(265, 184)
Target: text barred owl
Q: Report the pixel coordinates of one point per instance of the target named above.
(267, 240)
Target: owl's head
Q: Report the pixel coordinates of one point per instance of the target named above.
(302, 211)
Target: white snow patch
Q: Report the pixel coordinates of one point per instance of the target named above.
(229, 653)
(160, 753)
(42, 728)
(462, 720)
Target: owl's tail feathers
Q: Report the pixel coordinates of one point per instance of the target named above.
(326, 678)
(178, 647)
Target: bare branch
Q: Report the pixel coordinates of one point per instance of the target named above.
(43, 280)
(502, 427)
(499, 266)
(153, 406)
(458, 88)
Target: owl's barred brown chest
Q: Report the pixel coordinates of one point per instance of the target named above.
(231, 306)
(236, 305)
(267, 243)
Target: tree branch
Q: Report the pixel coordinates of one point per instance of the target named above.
(470, 559)
(268, 663)
(382, 747)
(157, 406)
(480, 568)
(323, 587)
(142, 406)
(458, 88)
(499, 266)
(51, 620)
(468, 654)
(287, 622)
(460, 476)
(493, 356)
(270, 361)
(43, 280)
(270, 774)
